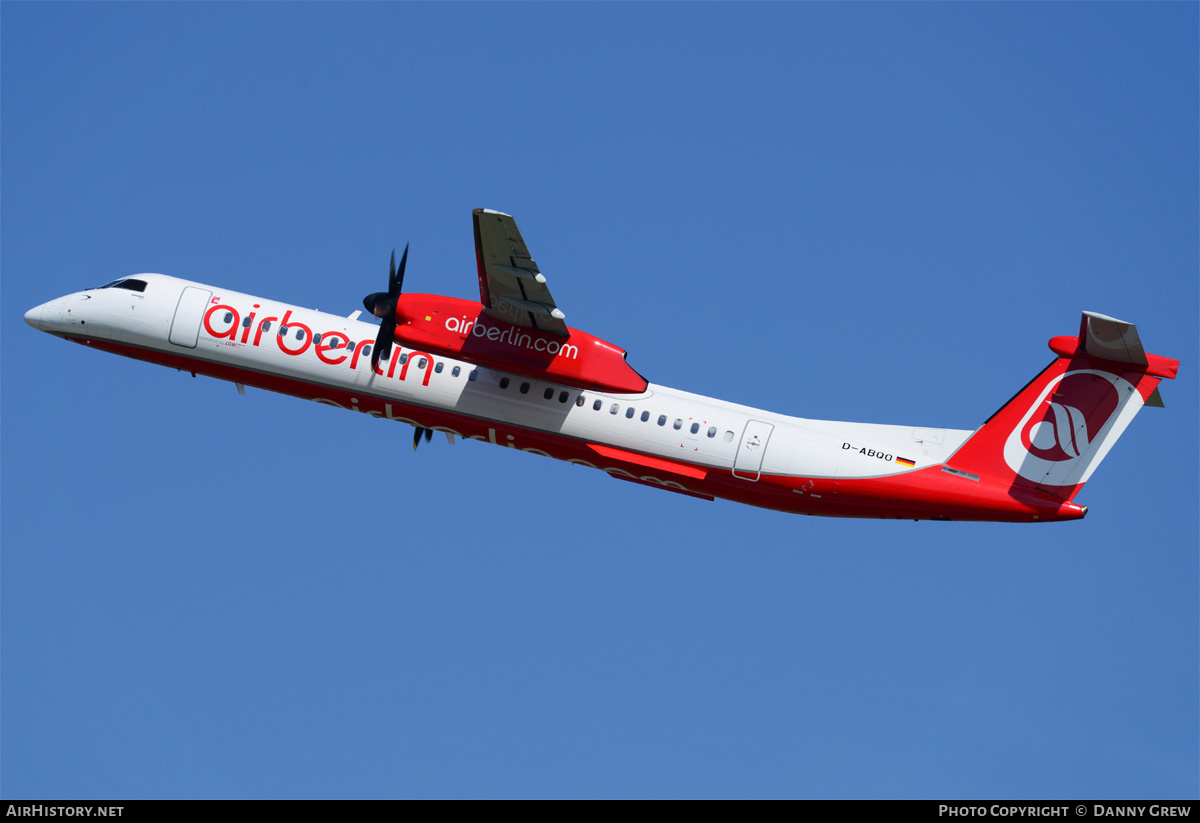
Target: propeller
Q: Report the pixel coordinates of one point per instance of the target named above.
(417, 436)
(383, 305)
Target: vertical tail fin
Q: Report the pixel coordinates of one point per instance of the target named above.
(1053, 433)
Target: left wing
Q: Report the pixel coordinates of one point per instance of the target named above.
(511, 287)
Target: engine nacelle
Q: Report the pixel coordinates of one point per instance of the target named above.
(460, 329)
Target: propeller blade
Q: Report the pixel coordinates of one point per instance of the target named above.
(383, 306)
(399, 279)
(383, 342)
(417, 432)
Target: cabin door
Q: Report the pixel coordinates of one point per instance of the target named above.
(185, 328)
(750, 451)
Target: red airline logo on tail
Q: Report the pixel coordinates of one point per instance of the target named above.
(1072, 414)
(1064, 432)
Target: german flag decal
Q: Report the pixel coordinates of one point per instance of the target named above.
(904, 461)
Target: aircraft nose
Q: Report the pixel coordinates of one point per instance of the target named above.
(34, 316)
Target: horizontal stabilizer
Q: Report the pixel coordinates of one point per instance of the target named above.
(1116, 343)
(1111, 339)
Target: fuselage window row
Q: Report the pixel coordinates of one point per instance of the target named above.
(548, 392)
(597, 404)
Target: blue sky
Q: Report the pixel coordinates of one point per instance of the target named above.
(844, 211)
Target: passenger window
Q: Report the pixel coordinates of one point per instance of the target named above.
(645, 416)
(316, 339)
(266, 327)
(614, 409)
(695, 428)
(283, 331)
(403, 359)
(366, 351)
(678, 424)
(728, 437)
(629, 412)
(596, 406)
(246, 322)
(504, 382)
(662, 420)
(563, 397)
(438, 368)
(228, 317)
(473, 375)
(524, 388)
(423, 363)
(548, 393)
(456, 371)
(712, 431)
(299, 334)
(580, 400)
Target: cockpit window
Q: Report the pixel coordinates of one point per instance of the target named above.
(126, 283)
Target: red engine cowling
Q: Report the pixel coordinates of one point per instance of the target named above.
(459, 329)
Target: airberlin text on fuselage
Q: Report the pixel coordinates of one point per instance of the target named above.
(238, 334)
(226, 315)
(512, 336)
(332, 347)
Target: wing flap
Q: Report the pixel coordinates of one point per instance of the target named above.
(648, 462)
(522, 274)
(676, 489)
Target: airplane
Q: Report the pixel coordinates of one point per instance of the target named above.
(507, 370)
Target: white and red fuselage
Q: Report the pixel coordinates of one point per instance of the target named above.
(656, 436)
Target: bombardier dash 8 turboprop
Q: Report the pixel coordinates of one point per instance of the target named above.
(508, 370)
